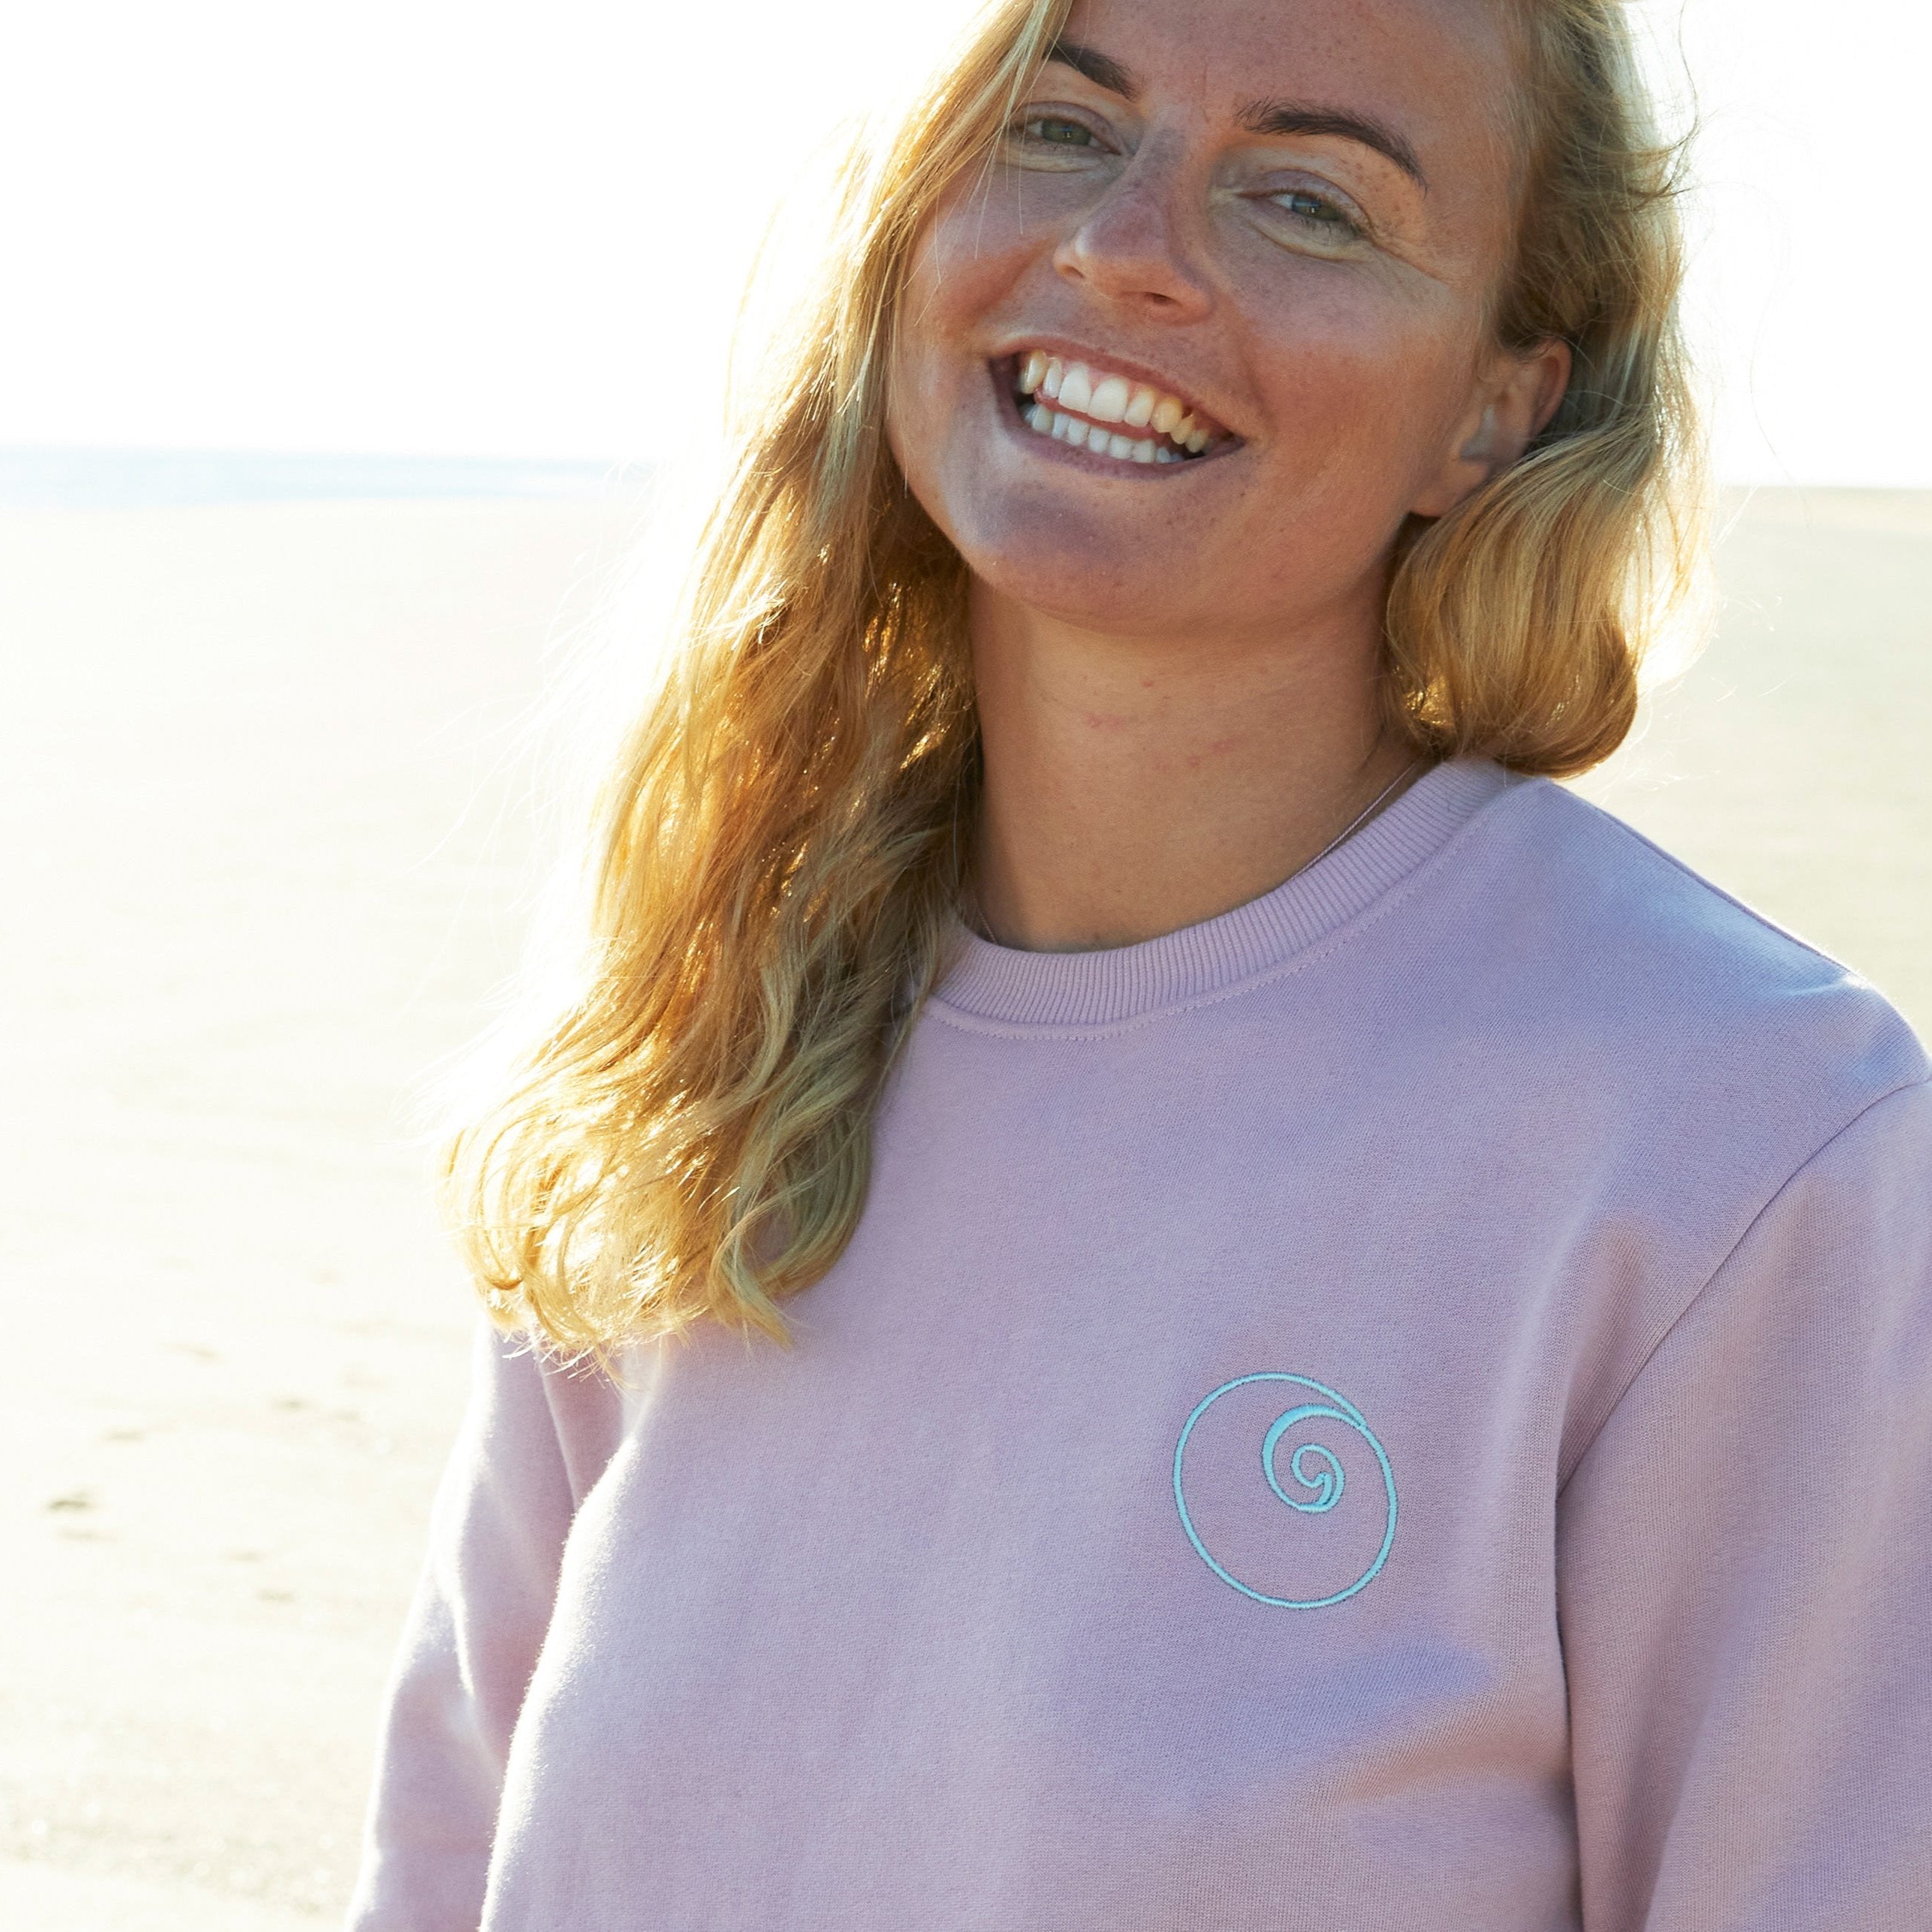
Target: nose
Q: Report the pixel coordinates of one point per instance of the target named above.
(1132, 246)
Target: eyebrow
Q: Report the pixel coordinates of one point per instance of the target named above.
(1259, 117)
(1291, 117)
(1102, 70)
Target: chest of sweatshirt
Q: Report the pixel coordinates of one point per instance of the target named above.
(1174, 1455)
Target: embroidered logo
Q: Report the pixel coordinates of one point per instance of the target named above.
(1328, 1550)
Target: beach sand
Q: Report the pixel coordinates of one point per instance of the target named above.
(267, 845)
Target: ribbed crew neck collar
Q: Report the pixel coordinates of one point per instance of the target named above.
(1006, 985)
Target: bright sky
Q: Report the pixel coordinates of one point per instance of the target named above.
(411, 226)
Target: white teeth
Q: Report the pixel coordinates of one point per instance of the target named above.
(1043, 422)
(1076, 389)
(1110, 399)
(1107, 399)
(1116, 403)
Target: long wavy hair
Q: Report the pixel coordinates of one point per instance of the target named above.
(781, 841)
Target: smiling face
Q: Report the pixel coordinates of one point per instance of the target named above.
(1214, 322)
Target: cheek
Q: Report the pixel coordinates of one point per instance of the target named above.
(962, 273)
(967, 260)
(1367, 391)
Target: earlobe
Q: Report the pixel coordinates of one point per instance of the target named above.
(1521, 406)
(1553, 362)
(1487, 443)
(1515, 408)
(1471, 465)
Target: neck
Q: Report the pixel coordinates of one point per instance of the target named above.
(1135, 785)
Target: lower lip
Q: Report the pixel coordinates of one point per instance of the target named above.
(1125, 469)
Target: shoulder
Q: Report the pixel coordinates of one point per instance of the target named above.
(1680, 1079)
(536, 1409)
(1666, 1046)
(1598, 930)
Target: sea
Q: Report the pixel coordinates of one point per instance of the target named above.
(72, 478)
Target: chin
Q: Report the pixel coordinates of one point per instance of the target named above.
(1101, 566)
(1098, 585)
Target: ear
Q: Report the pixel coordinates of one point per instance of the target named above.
(1515, 397)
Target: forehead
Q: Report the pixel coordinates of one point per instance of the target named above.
(1440, 71)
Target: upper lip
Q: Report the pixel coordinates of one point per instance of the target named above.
(1114, 364)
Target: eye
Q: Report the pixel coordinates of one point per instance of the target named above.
(1056, 130)
(1317, 213)
(1311, 216)
(1050, 137)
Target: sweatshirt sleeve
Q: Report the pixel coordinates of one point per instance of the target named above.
(532, 1440)
(1744, 1574)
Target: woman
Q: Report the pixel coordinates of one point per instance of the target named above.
(1366, 1355)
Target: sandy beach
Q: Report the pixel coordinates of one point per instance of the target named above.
(267, 847)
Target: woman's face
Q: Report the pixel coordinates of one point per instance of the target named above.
(1280, 221)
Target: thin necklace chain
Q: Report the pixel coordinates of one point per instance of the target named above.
(1355, 824)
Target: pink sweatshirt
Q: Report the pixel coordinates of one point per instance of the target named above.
(1406, 1407)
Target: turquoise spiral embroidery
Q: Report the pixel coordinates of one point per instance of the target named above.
(1326, 1482)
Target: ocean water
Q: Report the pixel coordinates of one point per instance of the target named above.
(103, 479)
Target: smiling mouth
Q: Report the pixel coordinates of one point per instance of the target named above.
(1108, 414)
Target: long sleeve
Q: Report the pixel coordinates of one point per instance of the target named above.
(1745, 1573)
(497, 1532)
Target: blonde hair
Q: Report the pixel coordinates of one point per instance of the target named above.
(781, 847)
(1517, 624)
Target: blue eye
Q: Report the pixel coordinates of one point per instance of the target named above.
(1315, 210)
